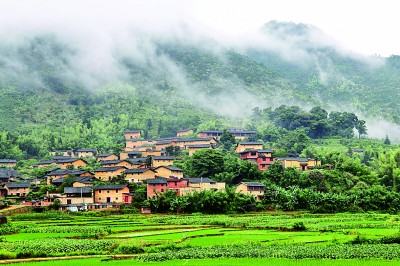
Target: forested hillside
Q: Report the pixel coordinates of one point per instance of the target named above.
(52, 99)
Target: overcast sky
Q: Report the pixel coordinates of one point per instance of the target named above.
(364, 26)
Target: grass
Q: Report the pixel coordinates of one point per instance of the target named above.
(216, 262)
(152, 233)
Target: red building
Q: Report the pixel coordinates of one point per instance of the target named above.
(161, 185)
(176, 184)
(263, 158)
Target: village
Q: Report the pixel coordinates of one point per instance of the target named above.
(140, 161)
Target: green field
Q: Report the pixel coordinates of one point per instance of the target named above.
(219, 262)
(277, 238)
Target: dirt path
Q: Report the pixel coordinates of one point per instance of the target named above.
(111, 257)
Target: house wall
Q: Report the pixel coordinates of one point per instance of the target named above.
(165, 172)
(197, 187)
(8, 164)
(184, 133)
(85, 154)
(257, 192)
(163, 146)
(152, 153)
(116, 196)
(76, 164)
(193, 150)
(177, 185)
(132, 135)
(76, 200)
(157, 163)
(140, 177)
(79, 184)
(106, 176)
(242, 147)
(22, 192)
(153, 188)
(108, 158)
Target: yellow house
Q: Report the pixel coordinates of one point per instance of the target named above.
(252, 188)
(61, 173)
(71, 163)
(185, 132)
(44, 164)
(77, 195)
(194, 148)
(132, 134)
(19, 189)
(107, 173)
(86, 153)
(8, 162)
(62, 153)
(84, 181)
(184, 143)
(106, 157)
(168, 171)
(162, 160)
(130, 155)
(113, 163)
(111, 194)
(302, 164)
(139, 174)
(153, 153)
(242, 146)
(164, 144)
(202, 183)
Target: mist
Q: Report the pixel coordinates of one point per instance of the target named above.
(90, 46)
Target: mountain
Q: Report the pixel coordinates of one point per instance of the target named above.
(61, 93)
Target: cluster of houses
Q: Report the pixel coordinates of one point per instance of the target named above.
(140, 161)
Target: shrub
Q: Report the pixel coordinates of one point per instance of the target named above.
(299, 226)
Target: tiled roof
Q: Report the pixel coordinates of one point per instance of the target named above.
(200, 180)
(8, 172)
(253, 184)
(172, 168)
(302, 160)
(76, 190)
(250, 143)
(17, 184)
(163, 157)
(57, 158)
(86, 150)
(137, 170)
(109, 169)
(104, 155)
(199, 146)
(7, 161)
(101, 187)
(157, 181)
(110, 162)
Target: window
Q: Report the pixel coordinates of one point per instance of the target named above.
(116, 198)
(100, 191)
(176, 183)
(99, 198)
(108, 191)
(116, 191)
(162, 190)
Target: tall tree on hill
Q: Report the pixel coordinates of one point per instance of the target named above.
(361, 128)
(205, 163)
(227, 140)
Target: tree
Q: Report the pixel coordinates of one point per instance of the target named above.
(227, 140)
(361, 128)
(386, 141)
(205, 163)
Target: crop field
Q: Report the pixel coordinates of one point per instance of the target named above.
(273, 238)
